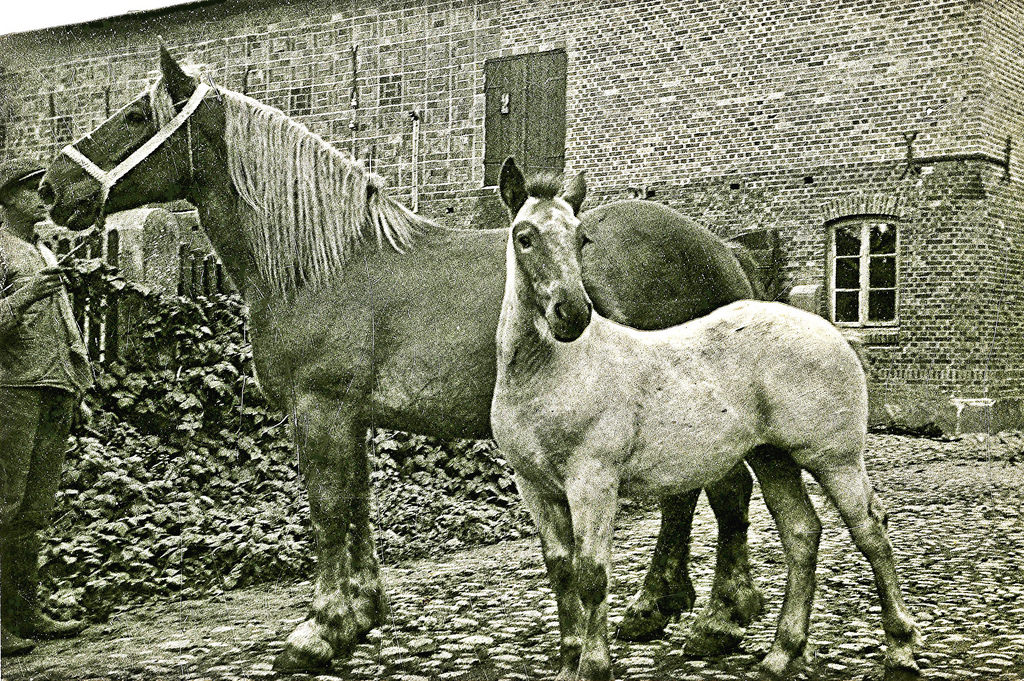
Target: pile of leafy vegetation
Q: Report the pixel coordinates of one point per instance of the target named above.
(186, 480)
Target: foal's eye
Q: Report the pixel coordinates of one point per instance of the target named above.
(525, 242)
(135, 116)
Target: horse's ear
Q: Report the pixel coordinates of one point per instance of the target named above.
(512, 186)
(576, 192)
(180, 85)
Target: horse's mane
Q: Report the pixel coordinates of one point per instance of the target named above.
(545, 184)
(307, 207)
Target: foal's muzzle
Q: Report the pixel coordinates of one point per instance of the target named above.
(569, 318)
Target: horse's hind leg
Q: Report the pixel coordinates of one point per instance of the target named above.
(667, 590)
(735, 599)
(850, 489)
(348, 598)
(556, 540)
(800, 530)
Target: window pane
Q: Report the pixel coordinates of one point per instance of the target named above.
(848, 239)
(882, 272)
(883, 238)
(846, 306)
(847, 273)
(881, 306)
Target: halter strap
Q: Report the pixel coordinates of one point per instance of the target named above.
(108, 178)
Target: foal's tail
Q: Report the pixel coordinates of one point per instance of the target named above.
(861, 351)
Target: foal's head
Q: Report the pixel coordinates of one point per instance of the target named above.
(545, 240)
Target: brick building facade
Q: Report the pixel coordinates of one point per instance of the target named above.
(881, 141)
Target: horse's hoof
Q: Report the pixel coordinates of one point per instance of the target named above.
(773, 666)
(642, 625)
(305, 651)
(900, 664)
(294, 661)
(646, 617)
(902, 674)
(748, 604)
(705, 644)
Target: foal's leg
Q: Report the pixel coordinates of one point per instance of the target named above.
(735, 599)
(667, 590)
(348, 598)
(800, 530)
(850, 489)
(556, 541)
(592, 491)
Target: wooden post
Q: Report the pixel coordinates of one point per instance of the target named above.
(111, 322)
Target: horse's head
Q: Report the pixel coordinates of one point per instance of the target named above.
(151, 150)
(545, 241)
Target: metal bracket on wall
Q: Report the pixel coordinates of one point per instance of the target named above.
(644, 192)
(908, 139)
(1007, 151)
(353, 124)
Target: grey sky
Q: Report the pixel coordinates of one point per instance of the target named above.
(29, 15)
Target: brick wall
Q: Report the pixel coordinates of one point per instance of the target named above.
(745, 115)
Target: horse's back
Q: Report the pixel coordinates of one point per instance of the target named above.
(650, 267)
(807, 382)
(751, 372)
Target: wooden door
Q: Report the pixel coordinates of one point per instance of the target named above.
(525, 112)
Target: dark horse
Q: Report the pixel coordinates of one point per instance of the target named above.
(349, 336)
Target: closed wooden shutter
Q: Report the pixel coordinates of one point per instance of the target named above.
(525, 112)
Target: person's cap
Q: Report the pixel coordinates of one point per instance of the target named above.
(17, 171)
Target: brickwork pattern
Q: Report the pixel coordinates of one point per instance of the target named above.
(744, 115)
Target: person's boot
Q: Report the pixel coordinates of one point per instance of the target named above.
(32, 622)
(12, 646)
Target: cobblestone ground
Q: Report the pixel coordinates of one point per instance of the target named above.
(956, 519)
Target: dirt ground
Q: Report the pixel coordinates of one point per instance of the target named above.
(956, 520)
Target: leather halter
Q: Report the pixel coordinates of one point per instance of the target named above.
(108, 178)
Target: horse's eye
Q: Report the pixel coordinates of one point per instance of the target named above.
(584, 240)
(135, 116)
(525, 242)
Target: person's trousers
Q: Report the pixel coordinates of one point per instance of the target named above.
(34, 426)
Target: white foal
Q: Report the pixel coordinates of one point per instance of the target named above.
(587, 410)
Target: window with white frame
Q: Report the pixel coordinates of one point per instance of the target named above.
(863, 271)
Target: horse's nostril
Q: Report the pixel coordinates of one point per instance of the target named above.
(46, 193)
(562, 311)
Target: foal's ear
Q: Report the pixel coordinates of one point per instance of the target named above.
(512, 186)
(179, 84)
(576, 192)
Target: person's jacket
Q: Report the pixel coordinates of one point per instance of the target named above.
(42, 346)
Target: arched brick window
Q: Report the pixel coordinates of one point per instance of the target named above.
(863, 276)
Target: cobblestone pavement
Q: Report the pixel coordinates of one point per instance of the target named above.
(956, 519)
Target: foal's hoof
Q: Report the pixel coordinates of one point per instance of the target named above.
(304, 652)
(294, 661)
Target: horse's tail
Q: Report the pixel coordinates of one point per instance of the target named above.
(861, 351)
(751, 268)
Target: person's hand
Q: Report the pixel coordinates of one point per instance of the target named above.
(42, 285)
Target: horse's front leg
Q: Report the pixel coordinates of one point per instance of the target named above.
(667, 590)
(592, 490)
(348, 600)
(735, 599)
(556, 540)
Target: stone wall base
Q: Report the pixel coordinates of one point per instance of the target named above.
(922, 409)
